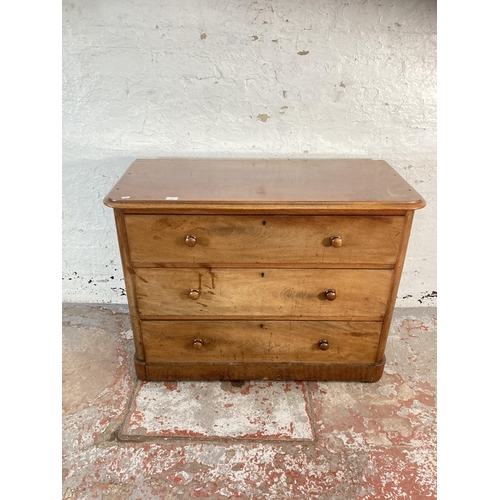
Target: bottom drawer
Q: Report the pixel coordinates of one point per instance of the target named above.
(260, 341)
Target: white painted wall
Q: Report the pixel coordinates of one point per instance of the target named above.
(235, 79)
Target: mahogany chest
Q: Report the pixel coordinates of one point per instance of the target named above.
(262, 269)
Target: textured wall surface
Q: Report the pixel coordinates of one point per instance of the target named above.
(235, 79)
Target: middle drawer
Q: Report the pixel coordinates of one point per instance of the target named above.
(311, 293)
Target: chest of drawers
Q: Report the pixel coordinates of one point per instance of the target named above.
(262, 269)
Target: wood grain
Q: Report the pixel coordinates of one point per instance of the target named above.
(346, 372)
(341, 183)
(398, 270)
(361, 293)
(254, 341)
(262, 261)
(261, 209)
(129, 282)
(156, 240)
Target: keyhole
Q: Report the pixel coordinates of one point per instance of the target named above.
(263, 222)
(262, 274)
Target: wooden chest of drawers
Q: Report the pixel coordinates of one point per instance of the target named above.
(262, 269)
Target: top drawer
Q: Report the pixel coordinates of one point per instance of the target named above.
(227, 239)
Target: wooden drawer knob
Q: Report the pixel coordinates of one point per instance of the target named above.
(330, 295)
(194, 294)
(198, 343)
(336, 241)
(191, 240)
(323, 345)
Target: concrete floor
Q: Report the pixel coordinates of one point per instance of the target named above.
(125, 439)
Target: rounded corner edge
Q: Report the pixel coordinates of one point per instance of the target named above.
(109, 202)
(421, 203)
(416, 204)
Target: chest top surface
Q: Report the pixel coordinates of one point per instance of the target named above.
(335, 183)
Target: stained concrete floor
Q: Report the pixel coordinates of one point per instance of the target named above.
(126, 439)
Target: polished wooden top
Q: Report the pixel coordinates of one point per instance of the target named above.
(333, 183)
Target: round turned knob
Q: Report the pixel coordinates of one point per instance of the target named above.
(330, 295)
(323, 345)
(336, 241)
(191, 240)
(198, 343)
(194, 294)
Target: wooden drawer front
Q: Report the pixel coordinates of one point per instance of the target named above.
(160, 239)
(257, 341)
(361, 293)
